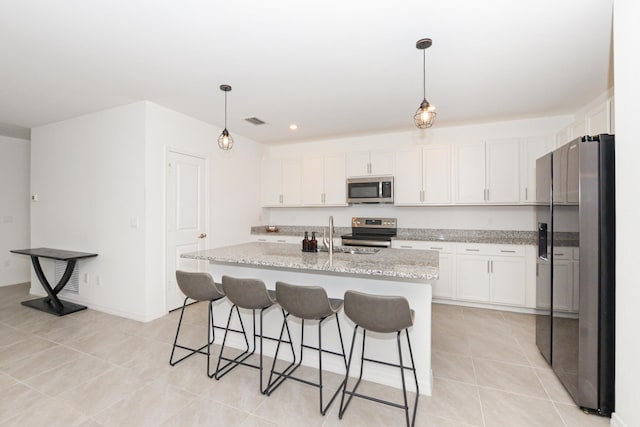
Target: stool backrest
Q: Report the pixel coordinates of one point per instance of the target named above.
(198, 285)
(246, 293)
(304, 302)
(378, 313)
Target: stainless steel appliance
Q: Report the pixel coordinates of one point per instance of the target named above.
(373, 189)
(374, 232)
(575, 327)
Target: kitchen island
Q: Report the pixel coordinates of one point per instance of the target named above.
(387, 272)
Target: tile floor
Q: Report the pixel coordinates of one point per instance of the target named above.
(93, 369)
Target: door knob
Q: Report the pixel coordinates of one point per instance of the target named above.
(202, 235)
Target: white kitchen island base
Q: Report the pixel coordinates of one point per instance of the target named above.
(400, 272)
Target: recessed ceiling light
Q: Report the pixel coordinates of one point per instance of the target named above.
(293, 126)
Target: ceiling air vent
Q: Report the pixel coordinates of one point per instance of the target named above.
(254, 120)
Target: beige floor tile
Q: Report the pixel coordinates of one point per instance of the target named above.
(98, 341)
(503, 409)
(239, 388)
(507, 377)
(452, 367)
(6, 381)
(40, 362)
(10, 335)
(90, 423)
(454, 401)
(103, 391)
(150, 406)
(574, 417)
(17, 399)
(50, 413)
(532, 353)
(253, 421)
(503, 348)
(553, 386)
(22, 349)
(432, 421)
(191, 375)
(151, 360)
(69, 375)
(205, 412)
(365, 413)
(447, 342)
(292, 402)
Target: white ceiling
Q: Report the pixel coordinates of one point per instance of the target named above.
(333, 67)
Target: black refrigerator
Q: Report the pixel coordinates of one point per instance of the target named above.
(575, 268)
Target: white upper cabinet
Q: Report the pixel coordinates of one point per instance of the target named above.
(488, 172)
(365, 163)
(503, 171)
(281, 182)
(324, 180)
(599, 118)
(470, 170)
(531, 149)
(423, 175)
(578, 129)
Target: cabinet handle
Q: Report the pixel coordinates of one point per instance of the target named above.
(508, 252)
(491, 262)
(559, 254)
(537, 268)
(488, 197)
(526, 193)
(434, 247)
(281, 241)
(262, 240)
(406, 247)
(488, 268)
(281, 199)
(472, 250)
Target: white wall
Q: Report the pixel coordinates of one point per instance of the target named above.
(448, 217)
(14, 210)
(98, 175)
(627, 93)
(88, 173)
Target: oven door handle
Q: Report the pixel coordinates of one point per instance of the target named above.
(355, 242)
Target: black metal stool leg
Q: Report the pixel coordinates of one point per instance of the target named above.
(404, 387)
(415, 377)
(232, 363)
(343, 405)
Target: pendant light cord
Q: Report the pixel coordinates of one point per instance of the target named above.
(225, 110)
(424, 74)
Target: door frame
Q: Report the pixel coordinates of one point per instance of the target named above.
(186, 152)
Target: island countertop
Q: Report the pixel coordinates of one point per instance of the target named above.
(418, 265)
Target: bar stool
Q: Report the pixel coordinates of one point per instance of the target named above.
(198, 287)
(383, 314)
(251, 294)
(306, 303)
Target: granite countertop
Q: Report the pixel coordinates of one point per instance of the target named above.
(391, 263)
(501, 237)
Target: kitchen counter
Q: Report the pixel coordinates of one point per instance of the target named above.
(499, 237)
(399, 264)
(406, 273)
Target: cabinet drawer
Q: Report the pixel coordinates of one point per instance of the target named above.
(445, 247)
(488, 249)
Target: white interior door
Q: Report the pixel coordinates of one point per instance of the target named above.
(187, 223)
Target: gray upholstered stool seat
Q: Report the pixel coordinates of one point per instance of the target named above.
(306, 303)
(197, 286)
(382, 314)
(249, 294)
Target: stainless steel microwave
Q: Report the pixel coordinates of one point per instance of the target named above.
(373, 189)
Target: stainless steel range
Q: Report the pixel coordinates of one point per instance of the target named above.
(376, 232)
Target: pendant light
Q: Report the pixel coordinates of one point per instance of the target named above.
(225, 141)
(426, 114)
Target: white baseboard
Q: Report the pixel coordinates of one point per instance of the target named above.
(616, 421)
(511, 308)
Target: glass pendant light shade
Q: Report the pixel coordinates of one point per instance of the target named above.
(426, 113)
(225, 141)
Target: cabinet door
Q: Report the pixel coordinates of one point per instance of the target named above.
(472, 278)
(578, 129)
(335, 180)
(444, 286)
(562, 285)
(576, 286)
(598, 119)
(271, 181)
(291, 182)
(562, 137)
(508, 280)
(381, 162)
(503, 171)
(358, 163)
(436, 174)
(313, 181)
(408, 178)
(531, 149)
(470, 173)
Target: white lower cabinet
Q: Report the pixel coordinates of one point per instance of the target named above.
(495, 274)
(444, 287)
(274, 238)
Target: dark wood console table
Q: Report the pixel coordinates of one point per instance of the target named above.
(52, 304)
